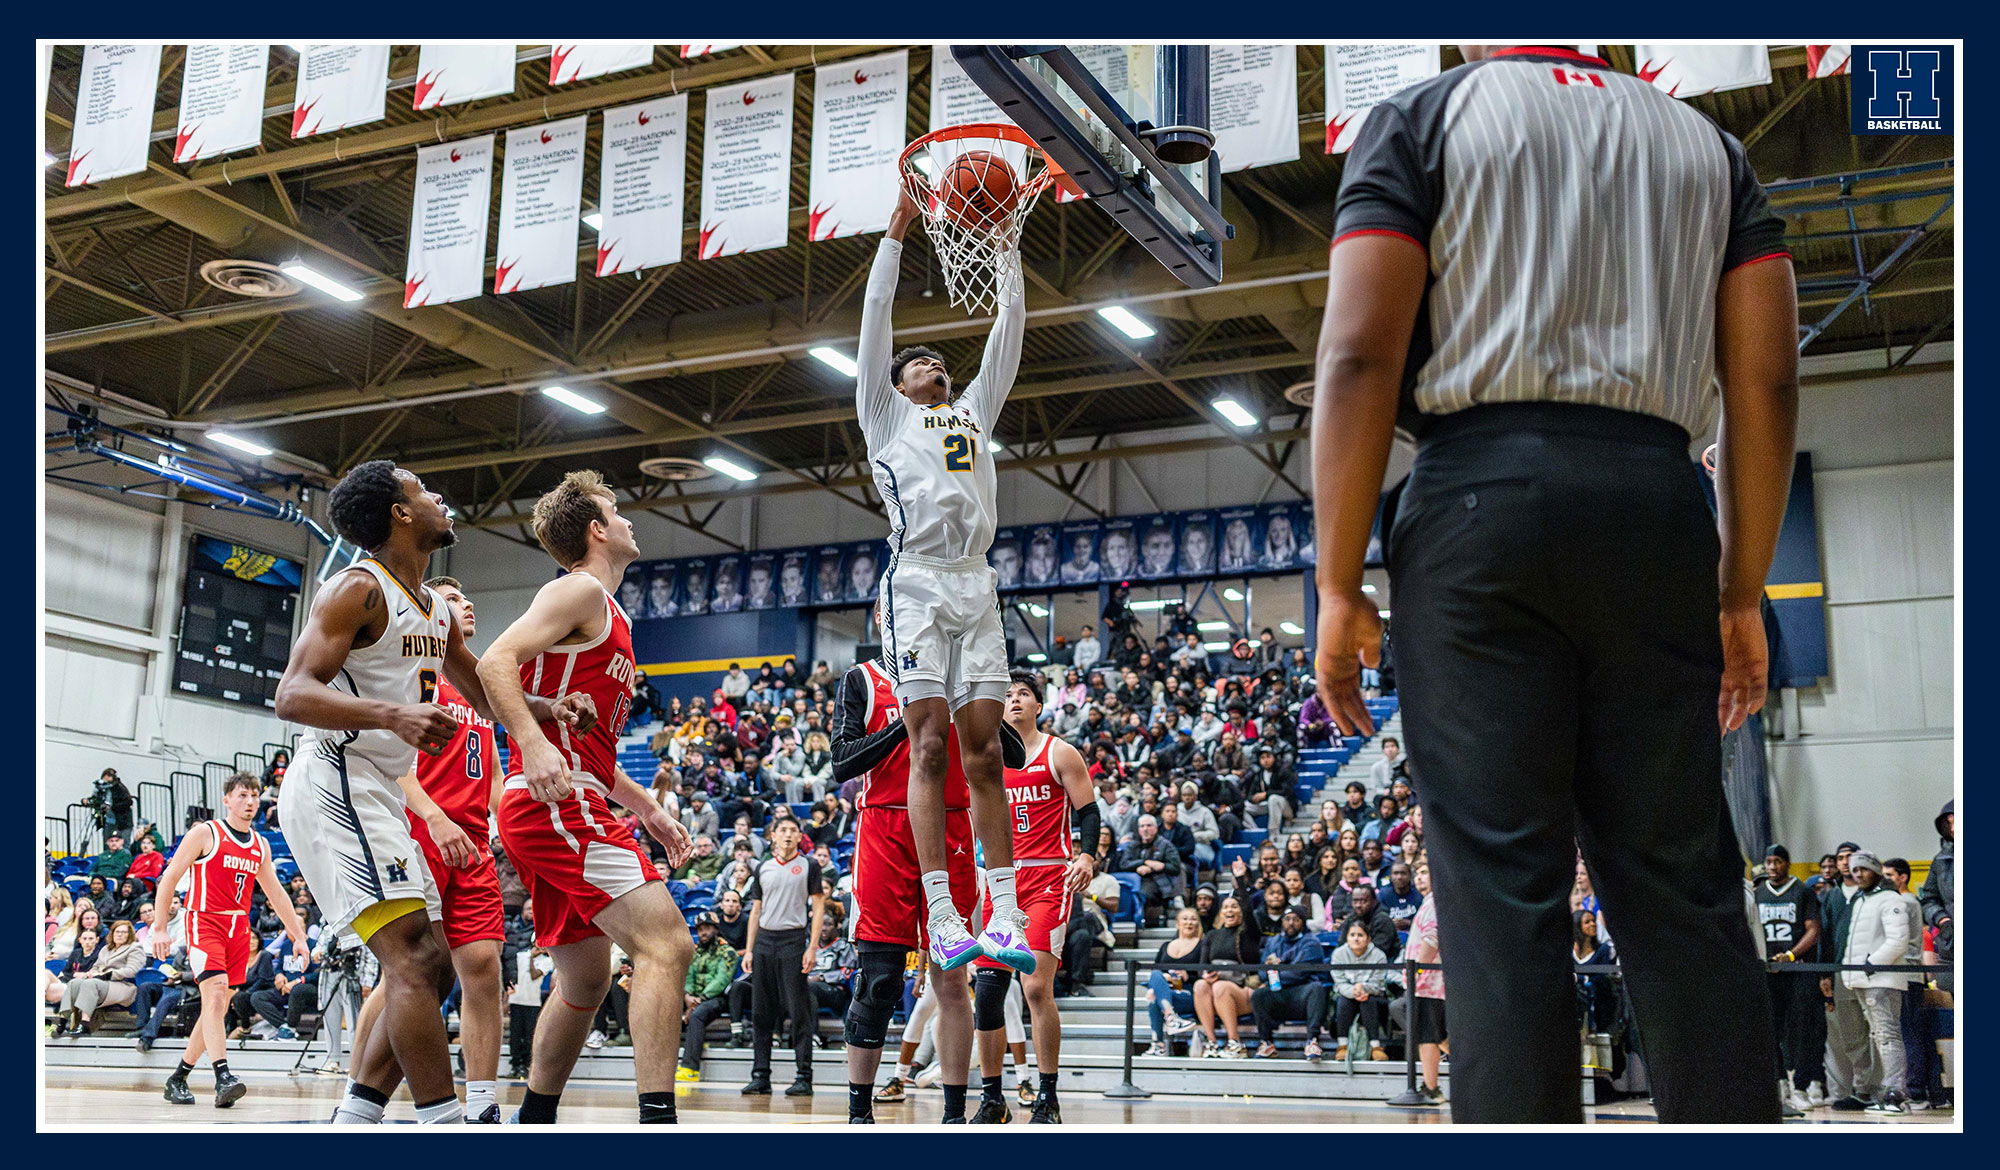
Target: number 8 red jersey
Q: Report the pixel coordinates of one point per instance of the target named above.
(220, 881)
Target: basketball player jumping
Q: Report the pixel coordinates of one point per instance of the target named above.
(587, 877)
(363, 679)
(1040, 796)
(871, 740)
(221, 859)
(941, 633)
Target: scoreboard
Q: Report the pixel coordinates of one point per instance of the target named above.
(237, 608)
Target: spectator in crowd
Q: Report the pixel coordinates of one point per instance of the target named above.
(1357, 811)
(1597, 1000)
(524, 1003)
(127, 899)
(1400, 899)
(1880, 930)
(1366, 911)
(1222, 993)
(153, 1004)
(788, 765)
(81, 955)
(1169, 990)
(1359, 992)
(1158, 866)
(1387, 817)
(274, 779)
(1384, 772)
(741, 835)
(1922, 1082)
(834, 965)
(645, 700)
(1324, 881)
(1180, 837)
(710, 973)
(114, 861)
(1374, 866)
(1315, 725)
(86, 921)
(699, 816)
(111, 801)
(294, 990)
(1290, 995)
(731, 921)
(148, 862)
(57, 913)
(735, 684)
(610, 1025)
(1939, 898)
(1849, 1057)
(1426, 1012)
(1269, 915)
(818, 763)
(105, 981)
(703, 865)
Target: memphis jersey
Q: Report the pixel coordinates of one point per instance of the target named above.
(933, 466)
(402, 666)
(460, 778)
(887, 784)
(1039, 805)
(221, 880)
(601, 668)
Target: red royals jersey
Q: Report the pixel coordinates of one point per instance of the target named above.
(601, 669)
(221, 881)
(460, 778)
(887, 785)
(1040, 805)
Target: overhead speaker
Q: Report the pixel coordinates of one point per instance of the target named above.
(675, 468)
(249, 278)
(1300, 394)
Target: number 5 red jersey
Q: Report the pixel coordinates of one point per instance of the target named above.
(220, 880)
(1039, 805)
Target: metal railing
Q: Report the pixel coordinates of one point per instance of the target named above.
(58, 831)
(156, 805)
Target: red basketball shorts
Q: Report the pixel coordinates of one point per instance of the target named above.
(889, 903)
(574, 858)
(220, 944)
(1041, 891)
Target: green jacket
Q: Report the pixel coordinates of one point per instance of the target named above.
(712, 970)
(701, 869)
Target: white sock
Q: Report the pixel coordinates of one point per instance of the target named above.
(355, 1111)
(479, 1095)
(1000, 886)
(937, 892)
(446, 1112)
(903, 1072)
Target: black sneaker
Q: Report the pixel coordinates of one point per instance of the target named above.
(177, 1092)
(1849, 1105)
(229, 1090)
(738, 1038)
(1047, 1112)
(992, 1113)
(800, 1087)
(145, 1043)
(490, 1117)
(759, 1086)
(868, 1120)
(953, 1121)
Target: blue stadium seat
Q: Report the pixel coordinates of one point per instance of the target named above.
(707, 887)
(56, 966)
(802, 810)
(1329, 939)
(148, 975)
(678, 892)
(1229, 853)
(1253, 837)
(76, 883)
(1128, 898)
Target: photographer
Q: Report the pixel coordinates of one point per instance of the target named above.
(111, 801)
(1119, 620)
(347, 973)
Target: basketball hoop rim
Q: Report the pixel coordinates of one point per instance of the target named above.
(1050, 173)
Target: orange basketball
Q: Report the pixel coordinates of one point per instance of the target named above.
(978, 190)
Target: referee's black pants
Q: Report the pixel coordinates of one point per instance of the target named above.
(1557, 643)
(778, 987)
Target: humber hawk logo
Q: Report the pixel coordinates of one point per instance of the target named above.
(909, 660)
(1903, 89)
(399, 870)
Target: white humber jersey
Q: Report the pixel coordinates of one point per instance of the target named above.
(934, 467)
(402, 666)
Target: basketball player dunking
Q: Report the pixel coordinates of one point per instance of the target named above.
(941, 634)
(1040, 796)
(363, 679)
(587, 876)
(870, 740)
(221, 859)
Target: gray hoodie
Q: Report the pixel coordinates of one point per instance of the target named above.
(1201, 820)
(1344, 982)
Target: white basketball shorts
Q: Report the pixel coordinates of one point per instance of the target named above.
(941, 630)
(350, 834)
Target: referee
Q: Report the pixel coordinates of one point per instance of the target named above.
(1548, 274)
(786, 903)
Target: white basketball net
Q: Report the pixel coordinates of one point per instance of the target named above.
(981, 261)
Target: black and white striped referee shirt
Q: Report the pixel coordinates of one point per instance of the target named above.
(1577, 222)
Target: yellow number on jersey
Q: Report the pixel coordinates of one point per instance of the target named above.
(958, 452)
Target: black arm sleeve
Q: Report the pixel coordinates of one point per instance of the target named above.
(1754, 233)
(854, 750)
(1085, 824)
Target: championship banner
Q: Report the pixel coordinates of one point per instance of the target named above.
(1132, 89)
(694, 588)
(222, 100)
(1004, 554)
(1686, 71)
(1241, 534)
(860, 109)
(957, 101)
(340, 86)
(746, 166)
(1159, 546)
(704, 50)
(450, 74)
(1284, 530)
(1359, 77)
(541, 195)
(1079, 547)
(641, 177)
(447, 260)
(759, 590)
(828, 585)
(1253, 104)
(1197, 544)
(114, 112)
(727, 593)
(1040, 556)
(1827, 60)
(864, 574)
(1118, 550)
(569, 63)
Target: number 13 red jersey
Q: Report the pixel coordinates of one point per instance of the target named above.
(601, 669)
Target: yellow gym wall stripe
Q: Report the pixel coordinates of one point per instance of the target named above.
(749, 662)
(1797, 589)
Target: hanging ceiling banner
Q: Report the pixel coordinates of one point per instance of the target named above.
(1253, 104)
(704, 50)
(541, 196)
(642, 175)
(746, 167)
(447, 260)
(450, 74)
(1359, 77)
(860, 110)
(569, 63)
(114, 112)
(340, 86)
(222, 100)
(1827, 60)
(1686, 71)
(957, 101)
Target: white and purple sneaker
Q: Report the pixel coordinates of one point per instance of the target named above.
(1002, 942)
(951, 946)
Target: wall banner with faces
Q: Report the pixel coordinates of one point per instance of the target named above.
(1078, 549)
(1241, 542)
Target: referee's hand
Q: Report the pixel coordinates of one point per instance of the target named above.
(1746, 667)
(1350, 635)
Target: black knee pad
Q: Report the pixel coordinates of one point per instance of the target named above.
(989, 998)
(879, 991)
